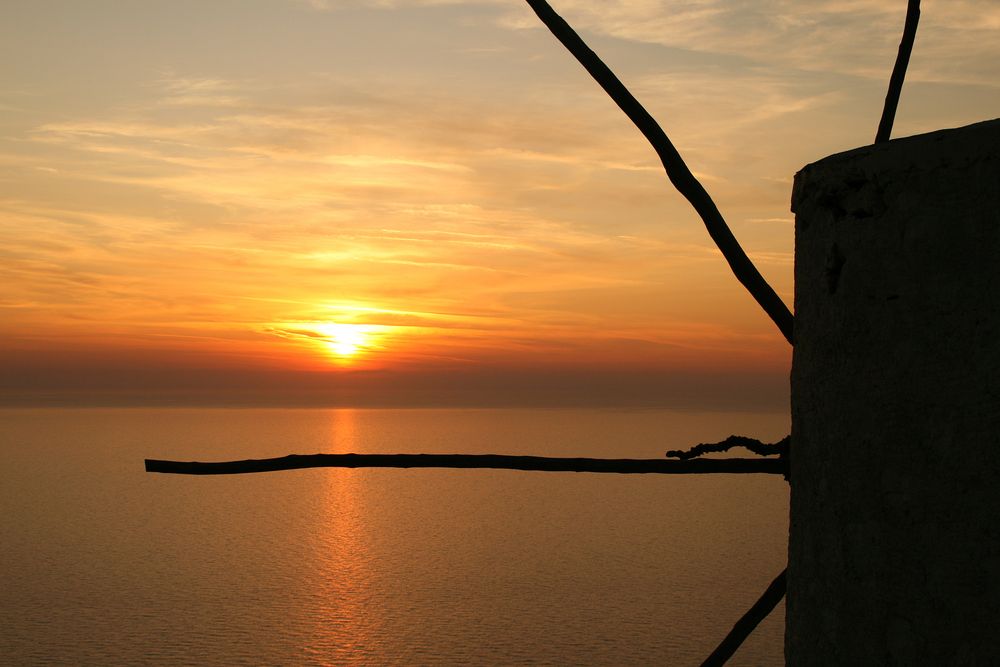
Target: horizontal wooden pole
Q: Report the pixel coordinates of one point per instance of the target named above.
(495, 461)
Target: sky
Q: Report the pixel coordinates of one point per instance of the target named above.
(426, 202)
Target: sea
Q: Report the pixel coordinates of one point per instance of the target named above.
(102, 563)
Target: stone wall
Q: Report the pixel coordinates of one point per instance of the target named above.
(894, 551)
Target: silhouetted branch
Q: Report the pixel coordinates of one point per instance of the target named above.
(497, 461)
(676, 169)
(898, 72)
(750, 620)
(752, 444)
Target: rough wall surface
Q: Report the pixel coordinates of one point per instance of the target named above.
(894, 550)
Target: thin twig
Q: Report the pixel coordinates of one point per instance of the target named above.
(496, 461)
(898, 72)
(676, 169)
(749, 621)
(752, 444)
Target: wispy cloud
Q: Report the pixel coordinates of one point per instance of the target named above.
(321, 203)
(957, 40)
(198, 92)
(857, 37)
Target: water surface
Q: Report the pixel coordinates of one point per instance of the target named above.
(102, 563)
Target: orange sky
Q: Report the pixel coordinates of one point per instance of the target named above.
(423, 203)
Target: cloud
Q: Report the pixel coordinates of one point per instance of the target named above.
(321, 202)
(182, 91)
(331, 5)
(956, 41)
(854, 37)
(419, 200)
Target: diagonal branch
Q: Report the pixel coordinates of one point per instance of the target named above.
(676, 169)
(898, 72)
(748, 623)
(495, 461)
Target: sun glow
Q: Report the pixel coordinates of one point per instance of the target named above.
(341, 341)
(345, 340)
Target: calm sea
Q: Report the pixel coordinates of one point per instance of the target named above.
(104, 564)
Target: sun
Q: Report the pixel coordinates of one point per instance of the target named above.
(342, 343)
(344, 340)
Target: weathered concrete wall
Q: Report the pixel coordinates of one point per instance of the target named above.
(894, 552)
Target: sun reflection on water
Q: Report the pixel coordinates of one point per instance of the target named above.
(347, 609)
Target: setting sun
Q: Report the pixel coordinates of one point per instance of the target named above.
(344, 340)
(344, 343)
